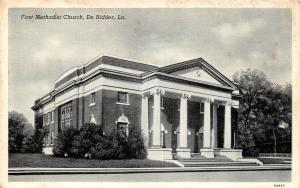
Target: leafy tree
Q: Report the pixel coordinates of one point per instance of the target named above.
(29, 145)
(262, 107)
(274, 109)
(16, 124)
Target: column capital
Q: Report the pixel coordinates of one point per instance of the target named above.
(157, 91)
(145, 95)
(229, 103)
(207, 99)
(185, 96)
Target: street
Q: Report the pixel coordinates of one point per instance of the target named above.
(208, 176)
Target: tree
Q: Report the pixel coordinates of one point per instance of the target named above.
(17, 123)
(262, 107)
(275, 109)
(252, 85)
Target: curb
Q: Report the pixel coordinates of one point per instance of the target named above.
(53, 171)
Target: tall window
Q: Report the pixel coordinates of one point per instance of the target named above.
(66, 117)
(92, 98)
(201, 108)
(122, 97)
(44, 119)
(161, 102)
(49, 117)
(52, 116)
(51, 137)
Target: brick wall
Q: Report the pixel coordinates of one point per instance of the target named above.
(87, 109)
(112, 111)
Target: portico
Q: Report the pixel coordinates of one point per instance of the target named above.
(210, 124)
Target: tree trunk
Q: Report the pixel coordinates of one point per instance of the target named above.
(275, 141)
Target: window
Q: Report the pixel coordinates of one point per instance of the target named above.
(49, 117)
(44, 119)
(201, 107)
(51, 137)
(123, 128)
(161, 102)
(66, 117)
(122, 97)
(92, 98)
(52, 117)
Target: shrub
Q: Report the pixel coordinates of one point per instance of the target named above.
(63, 142)
(108, 148)
(90, 142)
(135, 148)
(89, 135)
(251, 152)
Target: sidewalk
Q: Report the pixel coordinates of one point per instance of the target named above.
(45, 171)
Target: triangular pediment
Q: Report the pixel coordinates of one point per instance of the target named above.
(196, 73)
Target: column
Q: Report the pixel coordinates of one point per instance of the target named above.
(183, 122)
(227, 126)
(183, 151)
(206, 128)
(156, 118)
(145, 121)
(214, 130)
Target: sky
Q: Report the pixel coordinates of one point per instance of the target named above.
(231, 40)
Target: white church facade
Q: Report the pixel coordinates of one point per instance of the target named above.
(182, 109)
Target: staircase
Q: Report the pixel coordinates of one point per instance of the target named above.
(200, 161)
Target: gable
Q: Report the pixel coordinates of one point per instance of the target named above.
(196, 73)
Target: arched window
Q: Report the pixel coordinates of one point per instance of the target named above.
(122, 125)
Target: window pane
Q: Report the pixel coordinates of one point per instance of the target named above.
(52, 116)
(49, 117)
(122, 97)
(92, 97)
(201, 107)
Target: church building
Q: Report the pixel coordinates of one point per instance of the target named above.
(182, 109)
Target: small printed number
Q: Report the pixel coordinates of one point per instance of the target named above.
(279, 185)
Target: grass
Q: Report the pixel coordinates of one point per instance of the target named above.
(39, 160)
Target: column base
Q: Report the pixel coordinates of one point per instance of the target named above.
(159, 153)
(207, 152)
(47, 150)
(183, 152)
(233, 154)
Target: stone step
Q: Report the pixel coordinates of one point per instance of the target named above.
(206, 160)
(218, 164)
(219, 160)
(202, 158)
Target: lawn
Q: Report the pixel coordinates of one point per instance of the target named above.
(40, 160)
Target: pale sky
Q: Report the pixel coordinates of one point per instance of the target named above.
(229, 39)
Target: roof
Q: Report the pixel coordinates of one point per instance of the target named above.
(77, 71)
(127, 64)
(193, 63)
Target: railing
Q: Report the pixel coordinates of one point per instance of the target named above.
(275, 155)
